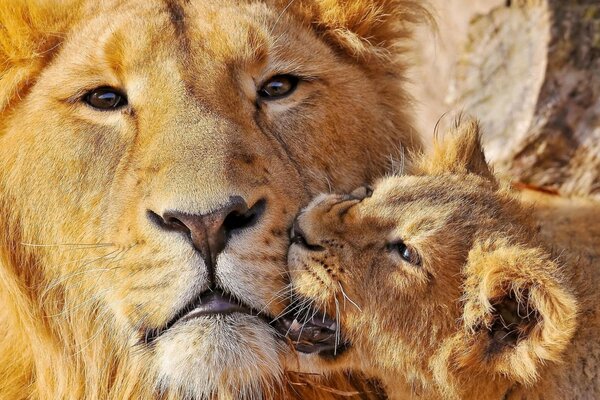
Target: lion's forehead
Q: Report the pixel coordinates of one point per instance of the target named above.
(137, 34)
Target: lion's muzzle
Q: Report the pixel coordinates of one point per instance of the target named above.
(209, 232)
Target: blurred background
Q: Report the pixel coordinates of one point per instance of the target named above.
(530, 72)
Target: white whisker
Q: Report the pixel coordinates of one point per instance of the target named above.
(69, 310)
(78, 273)
(281, 15)
(75, 246)
(346, 297)
(337, 325)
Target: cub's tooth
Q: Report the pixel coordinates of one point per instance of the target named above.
(333, 326)
(501, 335)
(295, 325)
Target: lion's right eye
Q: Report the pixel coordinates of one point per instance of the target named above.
(105, 98)
(278, 87)
(406, 252)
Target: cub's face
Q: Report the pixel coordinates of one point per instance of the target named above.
(431, 277)
(387, 262)
(153, 169)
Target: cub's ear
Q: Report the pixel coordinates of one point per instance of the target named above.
(30, 32)
(458, 152)
(519, 311)
(368, 29)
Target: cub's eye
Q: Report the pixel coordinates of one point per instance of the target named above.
(407, 253)
(105, 98)
(278, 87)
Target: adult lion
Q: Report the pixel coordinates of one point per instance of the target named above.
(153, 154)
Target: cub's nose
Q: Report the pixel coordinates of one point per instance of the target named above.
(210, 232)
(298, 237)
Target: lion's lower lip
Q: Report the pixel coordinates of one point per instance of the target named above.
(215, 303)
(210, 303)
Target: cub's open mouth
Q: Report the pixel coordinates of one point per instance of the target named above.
(316, 333)
(312, 332)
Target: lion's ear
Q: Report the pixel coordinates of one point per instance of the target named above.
(30, 32)
(519, 311)
(459, 152)
(371, 29)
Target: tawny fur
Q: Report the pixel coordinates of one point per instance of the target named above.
(83, 272)
(500, 301)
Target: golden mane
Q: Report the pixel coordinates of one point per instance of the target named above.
(59, 337)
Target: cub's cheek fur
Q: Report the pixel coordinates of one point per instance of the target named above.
(518, 312)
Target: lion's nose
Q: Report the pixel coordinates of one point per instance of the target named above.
(210, 232)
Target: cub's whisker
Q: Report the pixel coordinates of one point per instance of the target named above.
(308, 319)
(346, 297)
(306, 305)
(337, 324)
(278, 296)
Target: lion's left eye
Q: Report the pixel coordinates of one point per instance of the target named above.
(106, 98)
(406, 252)
(278, 87)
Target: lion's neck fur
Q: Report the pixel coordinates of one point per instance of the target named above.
(62, 356)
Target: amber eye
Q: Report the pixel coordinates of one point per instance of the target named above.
(407, 253)
(106, 98)
(278, 87)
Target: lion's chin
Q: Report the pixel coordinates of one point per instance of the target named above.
(233, 354)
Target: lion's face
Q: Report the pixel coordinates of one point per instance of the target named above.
(153, 168)
(432, 276)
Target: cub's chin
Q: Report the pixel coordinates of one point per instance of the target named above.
(235, 354)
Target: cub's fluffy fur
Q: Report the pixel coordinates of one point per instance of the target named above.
(450, 285)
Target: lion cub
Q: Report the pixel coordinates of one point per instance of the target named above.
(448, 285)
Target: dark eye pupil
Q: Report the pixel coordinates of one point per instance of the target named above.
(105, 99)
(404, 251)
(278, 86)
